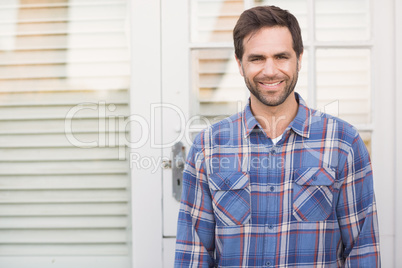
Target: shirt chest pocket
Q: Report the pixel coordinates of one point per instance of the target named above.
(231, 198)
(313, 193)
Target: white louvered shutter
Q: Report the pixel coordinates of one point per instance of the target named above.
(60, 57)
(218, 89)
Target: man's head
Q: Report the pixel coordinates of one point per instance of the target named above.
(269, 50)
(254, 19)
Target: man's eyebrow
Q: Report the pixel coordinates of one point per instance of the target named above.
(279, 54)
(255, 56)
(287, 54)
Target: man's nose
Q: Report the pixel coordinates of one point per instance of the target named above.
(270, 68)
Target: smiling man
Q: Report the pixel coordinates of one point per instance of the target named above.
(278, 184)
(271, 76)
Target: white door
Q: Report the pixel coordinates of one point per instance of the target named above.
(199, 76)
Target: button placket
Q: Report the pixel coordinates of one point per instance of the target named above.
(271, 187)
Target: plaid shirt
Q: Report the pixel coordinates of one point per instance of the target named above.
(307, 201)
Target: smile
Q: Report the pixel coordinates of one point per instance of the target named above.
(271, 85)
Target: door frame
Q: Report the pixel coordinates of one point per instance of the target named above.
(146, 184)
(398, 125)
(384, 126)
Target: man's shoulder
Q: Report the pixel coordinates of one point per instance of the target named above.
(321, 121)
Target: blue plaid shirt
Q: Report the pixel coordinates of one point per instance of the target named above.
(307, 201)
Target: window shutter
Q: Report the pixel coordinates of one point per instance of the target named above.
(218, 88)
(343, 82)
(221, 89)
(60, 59)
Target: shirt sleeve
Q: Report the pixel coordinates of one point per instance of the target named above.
(356, 210)
(195, 244)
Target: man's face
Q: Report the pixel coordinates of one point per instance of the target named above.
(269, 65)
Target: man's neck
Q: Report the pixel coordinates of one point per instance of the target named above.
(274, 119)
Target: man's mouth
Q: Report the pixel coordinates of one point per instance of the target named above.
(271, 84)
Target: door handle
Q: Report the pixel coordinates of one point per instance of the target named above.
(178, 163)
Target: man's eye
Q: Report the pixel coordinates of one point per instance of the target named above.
(255, 59)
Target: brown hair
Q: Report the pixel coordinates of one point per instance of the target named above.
(253, 19)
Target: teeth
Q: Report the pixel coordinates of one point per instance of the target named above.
(272, 85)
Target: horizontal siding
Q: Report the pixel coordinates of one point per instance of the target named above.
(62, 40)
(64, 167)
(66, 182)
(45, 222)
(63, 84)
(65, 237)
(88, 249)
(47, 125)
(44, 57)
(62, 11)
(54, 140)
(42, 154)
(59, 70)
(63, 196)
(92, 110)
(63, 98)
(63, 209)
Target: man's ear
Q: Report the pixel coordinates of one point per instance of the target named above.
(239, 65)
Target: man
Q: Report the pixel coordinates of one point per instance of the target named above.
(279, 184)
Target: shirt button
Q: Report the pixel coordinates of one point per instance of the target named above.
(227, 181)
(272, 188)
(268, 263)
(314, 178)
(273, 151)
(270, 226)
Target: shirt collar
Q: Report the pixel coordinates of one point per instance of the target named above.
(300, 124)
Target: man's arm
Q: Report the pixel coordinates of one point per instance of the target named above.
(356, 210)
(195, 242)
